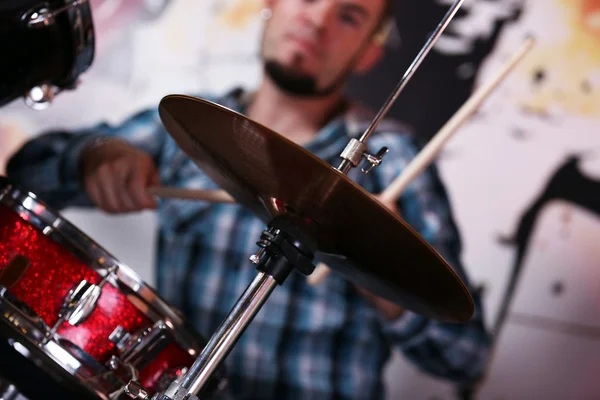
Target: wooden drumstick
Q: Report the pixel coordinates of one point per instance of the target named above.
(215, 196)
(435, 145)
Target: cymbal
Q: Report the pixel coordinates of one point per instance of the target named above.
(355, 234)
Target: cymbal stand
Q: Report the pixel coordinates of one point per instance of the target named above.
(284, 246)
(356, 149)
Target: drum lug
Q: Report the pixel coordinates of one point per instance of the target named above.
(79, 303)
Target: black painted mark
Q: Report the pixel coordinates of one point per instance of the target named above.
(539, 76)
(566, 184)
(558, 288)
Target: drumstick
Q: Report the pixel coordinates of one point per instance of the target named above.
(215, 196)
(435, 145)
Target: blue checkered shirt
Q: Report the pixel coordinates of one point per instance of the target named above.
(321, 342)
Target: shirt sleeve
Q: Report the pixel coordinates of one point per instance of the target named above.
(457, 352)
(49, 165)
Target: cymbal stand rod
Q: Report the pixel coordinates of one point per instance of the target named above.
(412, 68)
(225, 338)
(284, 247)
(351, 157)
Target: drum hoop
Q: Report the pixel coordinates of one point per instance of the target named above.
(21, 326)
(60, 230)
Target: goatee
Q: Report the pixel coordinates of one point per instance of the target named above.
(297, 83)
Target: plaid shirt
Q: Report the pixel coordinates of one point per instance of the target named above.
(307, 342)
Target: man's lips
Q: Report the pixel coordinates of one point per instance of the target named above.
(306, 45)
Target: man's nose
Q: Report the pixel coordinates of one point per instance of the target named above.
(320, 15)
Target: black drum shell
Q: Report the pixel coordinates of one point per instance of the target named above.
(55, 54)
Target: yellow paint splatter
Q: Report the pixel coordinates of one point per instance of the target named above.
(240, 12)
(569, 70)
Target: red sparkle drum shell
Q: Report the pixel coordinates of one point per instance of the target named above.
(59, 257)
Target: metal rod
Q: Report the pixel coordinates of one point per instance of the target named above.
(411, 70)
(226, 336)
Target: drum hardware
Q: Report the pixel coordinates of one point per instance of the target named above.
(79, 303)
(43, 17)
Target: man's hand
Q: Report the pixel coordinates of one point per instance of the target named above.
(116, 176)
(387, 308)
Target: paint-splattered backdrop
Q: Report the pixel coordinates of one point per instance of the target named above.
(523, 174)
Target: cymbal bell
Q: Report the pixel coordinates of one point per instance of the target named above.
(355, 234)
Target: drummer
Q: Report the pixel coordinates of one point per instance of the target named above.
(328, 341)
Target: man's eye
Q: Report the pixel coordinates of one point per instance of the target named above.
(349, 19)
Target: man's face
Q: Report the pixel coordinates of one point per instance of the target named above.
(319, 41)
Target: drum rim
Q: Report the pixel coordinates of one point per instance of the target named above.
(66, 234)
(53, 356)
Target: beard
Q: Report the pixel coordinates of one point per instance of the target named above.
(300, 84)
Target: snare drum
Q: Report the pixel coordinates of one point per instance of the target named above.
(45, 47)
(71, 306)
